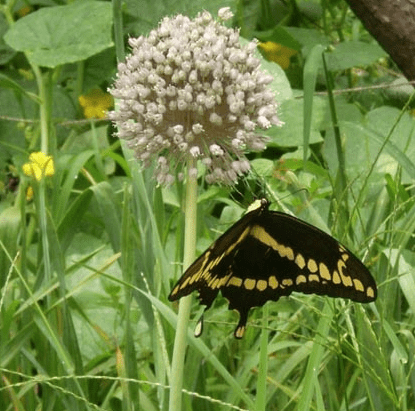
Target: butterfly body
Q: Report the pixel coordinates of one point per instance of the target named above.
(269, 254)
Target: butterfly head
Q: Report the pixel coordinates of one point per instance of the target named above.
(261, 204)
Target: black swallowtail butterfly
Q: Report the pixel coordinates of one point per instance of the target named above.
(269, 254)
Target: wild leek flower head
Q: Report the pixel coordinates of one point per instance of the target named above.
(191, 89)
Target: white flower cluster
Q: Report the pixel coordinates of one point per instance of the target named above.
(191, 89)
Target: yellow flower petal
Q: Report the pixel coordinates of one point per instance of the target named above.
(278, 53)
(270, 47)
(40, 165)
(95, 103)
(29, 193)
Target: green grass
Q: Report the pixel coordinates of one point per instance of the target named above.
(87, 265)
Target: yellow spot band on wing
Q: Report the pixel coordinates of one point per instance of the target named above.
(175, 290)
(249, 283)
(236, 281)
(324, 272)
(261, 285)
(237, 242)
(286, 252)
(336, 278)
(273, 282)
(224, 280)
(209, 264)
(346, 279)
(313, 277)
(358, 285)
(370, 292)
(299, 260)
(215, 284)
(184, 283)
(260, 234)
(312, 265)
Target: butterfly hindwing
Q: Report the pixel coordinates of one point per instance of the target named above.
(268, 254)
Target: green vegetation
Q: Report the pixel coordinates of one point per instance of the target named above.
(90, 244)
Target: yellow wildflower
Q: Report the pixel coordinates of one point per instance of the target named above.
(95, 103)
(40, 166)
(29, 193)
(278, 53)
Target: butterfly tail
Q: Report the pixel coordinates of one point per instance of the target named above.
(240, 328)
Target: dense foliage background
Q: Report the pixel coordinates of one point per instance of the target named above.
(89, 251)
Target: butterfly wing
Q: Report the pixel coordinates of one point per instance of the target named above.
(312, 260)
(268, 254)
(282, 254)
(211, 270)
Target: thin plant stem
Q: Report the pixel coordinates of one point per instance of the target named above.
(43, 82)
(118, 29)
(261, 396)
(43, 228)
(98, 158)
(341, 178)
(176, 381)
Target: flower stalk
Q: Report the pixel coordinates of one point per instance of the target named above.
(40, 167)
(179, 350)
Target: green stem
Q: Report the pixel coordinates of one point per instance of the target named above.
(336, 129)
(176, 381)
(118, 29)
(261, 396)
(44, 83)
(44, 113)
(42, 213)
(98, 157)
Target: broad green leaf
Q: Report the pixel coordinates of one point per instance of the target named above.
(362, 144)
(354, 53)
(149, 12)
(280, 35)
(308, 38)
(280, 84)
(291, 134)
(59, 35)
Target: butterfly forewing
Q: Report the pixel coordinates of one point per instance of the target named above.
(213, 264)
(268, 254)
(311, 261)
